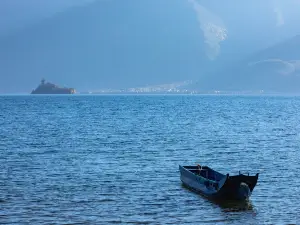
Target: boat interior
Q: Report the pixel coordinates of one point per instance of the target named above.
(206, 172)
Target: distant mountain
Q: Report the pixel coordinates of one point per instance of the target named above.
(274, 69)
(107, 44)
(122, 44)
(16, 15)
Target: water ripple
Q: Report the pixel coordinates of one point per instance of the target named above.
(114, 159)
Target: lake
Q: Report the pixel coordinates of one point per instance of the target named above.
(114, 159)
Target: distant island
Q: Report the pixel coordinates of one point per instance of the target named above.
(49, 88)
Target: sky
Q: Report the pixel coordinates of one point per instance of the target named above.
(13, 12)
(17, 14)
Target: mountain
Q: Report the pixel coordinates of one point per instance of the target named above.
(122, 44)
(274, 69)
(19, 14)
(107, 44)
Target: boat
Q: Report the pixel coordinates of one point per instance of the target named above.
(215, 185)
(50, 88)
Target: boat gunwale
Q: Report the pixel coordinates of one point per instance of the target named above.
(204, 178)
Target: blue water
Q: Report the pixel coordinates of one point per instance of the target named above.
(114, 159)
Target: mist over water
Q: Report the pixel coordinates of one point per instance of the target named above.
(114, 159)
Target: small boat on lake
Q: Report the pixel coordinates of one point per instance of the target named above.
(213, 184)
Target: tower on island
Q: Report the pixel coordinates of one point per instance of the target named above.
(43, 81)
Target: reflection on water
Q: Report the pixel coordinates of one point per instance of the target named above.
(227, 205)
(235, 206)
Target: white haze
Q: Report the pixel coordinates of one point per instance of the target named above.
(213, 29)
(284, 67)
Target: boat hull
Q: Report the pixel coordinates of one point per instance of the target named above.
(223, 187)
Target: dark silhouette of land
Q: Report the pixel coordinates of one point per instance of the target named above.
(49, 88)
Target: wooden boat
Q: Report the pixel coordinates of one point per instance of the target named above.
(213, 184)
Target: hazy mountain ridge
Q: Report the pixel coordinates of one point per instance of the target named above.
(274, 69)
(118, 44)
(82, 49)
(16, 15)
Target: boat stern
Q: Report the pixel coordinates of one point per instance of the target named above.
(244, 192)
(240, 187)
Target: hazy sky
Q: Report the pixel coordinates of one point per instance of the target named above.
(222, 16)
(15, 14)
